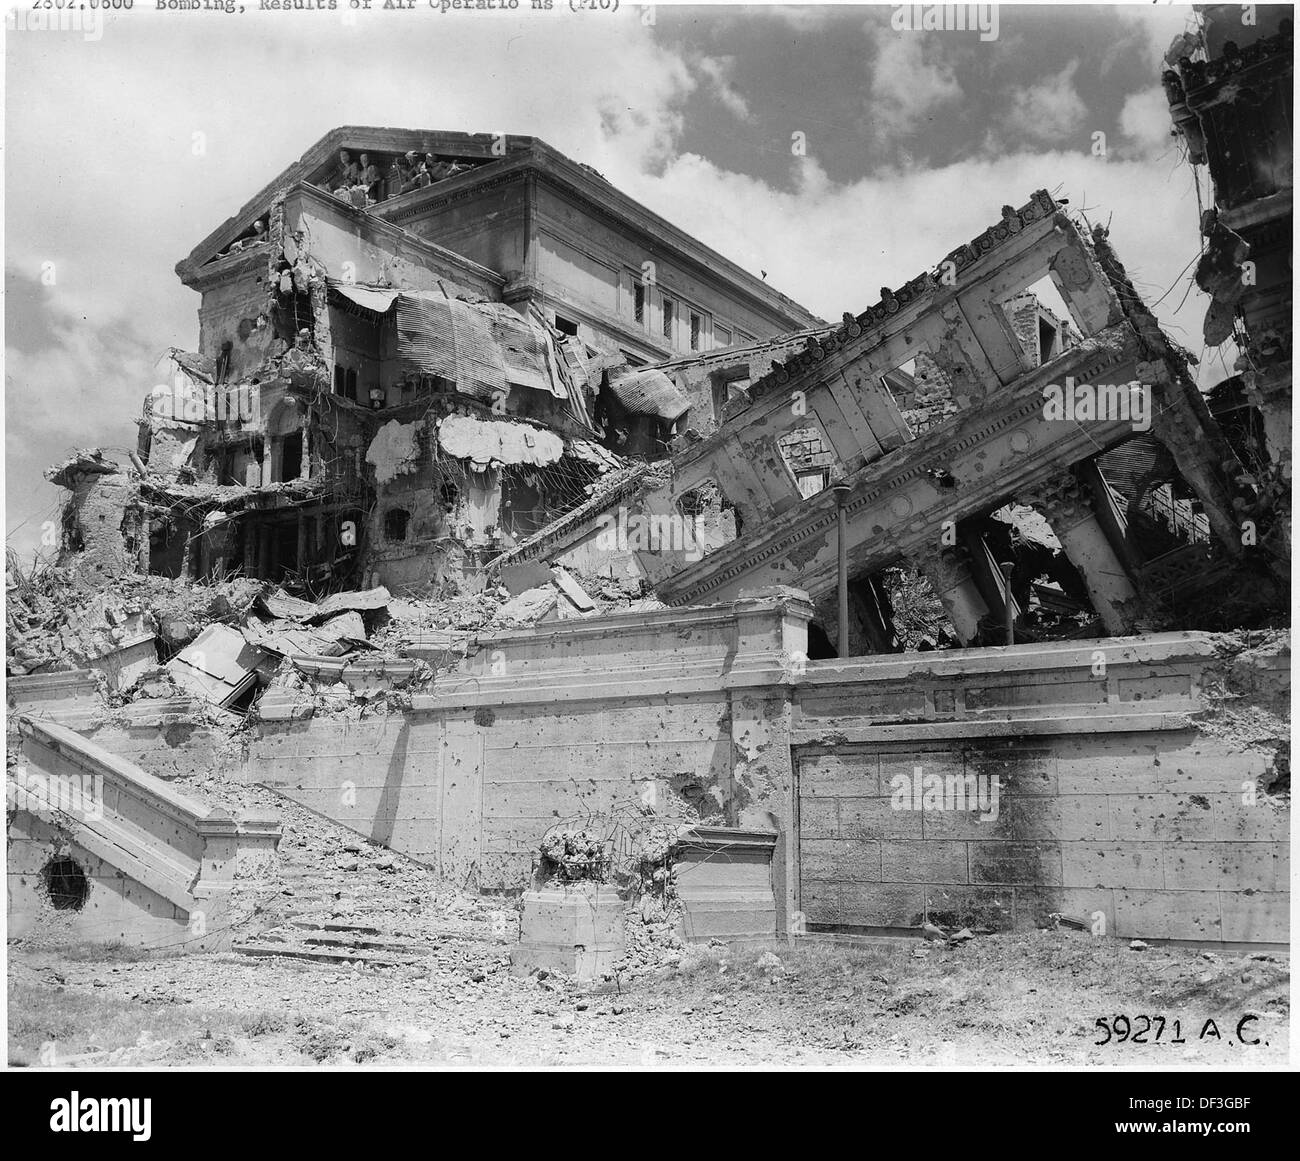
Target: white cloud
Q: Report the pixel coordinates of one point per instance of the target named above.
(1050, 111)
(1145, 119)
(718, 71)
(907, 84)
(1154, 26)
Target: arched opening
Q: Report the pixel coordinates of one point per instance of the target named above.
(285, 433)
(66, 884)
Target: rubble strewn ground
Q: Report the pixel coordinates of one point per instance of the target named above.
(1027, 999)
(1024, 998)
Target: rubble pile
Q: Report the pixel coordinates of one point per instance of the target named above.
(54, 621)
(223, 643)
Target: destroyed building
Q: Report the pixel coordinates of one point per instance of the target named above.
(1229, 85)
(392, 384)
(693, 553)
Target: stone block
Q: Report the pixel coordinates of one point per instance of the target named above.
(840, 859)
(576, 929)
(1015, 862)
(1126, 865)
(1167, 915)
(924, 862)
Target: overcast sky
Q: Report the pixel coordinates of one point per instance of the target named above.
(914, 143)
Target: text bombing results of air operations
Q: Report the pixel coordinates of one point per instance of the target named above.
(441, 6)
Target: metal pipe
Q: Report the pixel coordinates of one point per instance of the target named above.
(842, 519)
(1010, 604)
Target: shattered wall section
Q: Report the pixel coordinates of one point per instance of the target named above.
(102, 520)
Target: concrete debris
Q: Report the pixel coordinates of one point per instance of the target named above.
(491, 442)
(529, 607)
(394, 451)
(220, 666)
(574, 591)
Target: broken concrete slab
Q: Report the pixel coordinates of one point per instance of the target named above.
(519, 578)
(531, 606)
(220, 666)
(574, 591)
(368, 600)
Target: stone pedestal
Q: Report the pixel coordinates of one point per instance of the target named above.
(576, 929)
(724, 881)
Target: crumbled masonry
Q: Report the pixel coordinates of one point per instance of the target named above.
(638, 598)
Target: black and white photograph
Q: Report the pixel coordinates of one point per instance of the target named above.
(572, 535)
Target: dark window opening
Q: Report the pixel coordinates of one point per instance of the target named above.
(697, 325)
(638, 302)
(820, 647)
(395, 522)
(291, 457)
(66, 884)
(566, 326)
(350, 385)
(338, 379)
(668, 318)
(223, 361)
(1046, 341)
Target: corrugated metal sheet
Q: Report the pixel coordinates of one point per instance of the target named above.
(445, 337)
(483, 348)
(650, 392)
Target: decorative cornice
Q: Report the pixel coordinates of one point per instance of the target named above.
(1194, 79)
(1063, 498)
(937, 449)
(851, 329)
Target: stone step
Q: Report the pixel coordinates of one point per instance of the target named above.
(329, 925)
(346, 941)
(267, 948)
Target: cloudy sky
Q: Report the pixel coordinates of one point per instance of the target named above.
(914, 141)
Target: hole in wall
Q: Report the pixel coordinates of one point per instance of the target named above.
(66, 884)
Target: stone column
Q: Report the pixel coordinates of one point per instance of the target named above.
(949, 572)
(1182, 422)
(1069, 507)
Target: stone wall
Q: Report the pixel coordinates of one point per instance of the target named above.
(1112, 807)
(1133, 775)
(557, 724)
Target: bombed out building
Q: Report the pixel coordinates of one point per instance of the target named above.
(396, 381)
(987, 525)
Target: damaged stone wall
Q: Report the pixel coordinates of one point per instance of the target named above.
(1137, 808)
(1122, 802)
(102, 520)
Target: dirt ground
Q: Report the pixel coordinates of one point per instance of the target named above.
(1026, 999)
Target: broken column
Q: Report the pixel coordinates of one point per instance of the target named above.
(1069, 507)
(949, 572)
